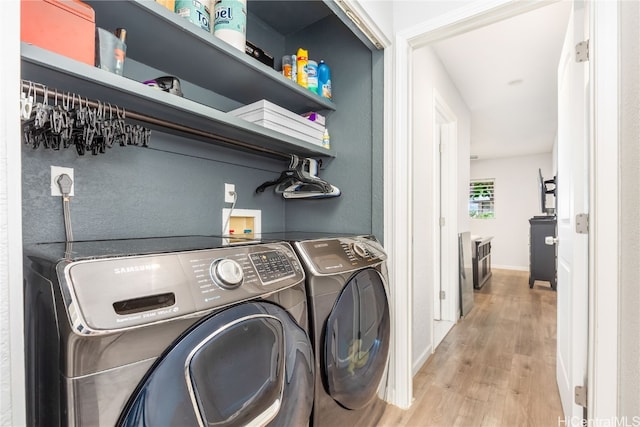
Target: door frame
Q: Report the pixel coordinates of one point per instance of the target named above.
(12, 397)
(604, 229)
(603, 189)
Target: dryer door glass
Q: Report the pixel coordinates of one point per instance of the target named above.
(357, 341)
(253, 385)
(246, 365)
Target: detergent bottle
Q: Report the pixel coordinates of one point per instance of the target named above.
(301, 63)
(324, 80)
(312, 76)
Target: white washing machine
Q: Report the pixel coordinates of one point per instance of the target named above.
(166, 332)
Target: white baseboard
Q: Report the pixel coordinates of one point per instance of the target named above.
(421, 360)
(510, 267)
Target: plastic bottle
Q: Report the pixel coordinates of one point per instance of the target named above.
(286, 66)
(230, 22)
(312, 76)
(302, 61)
(324, 80)
(120, 50)
(294, 68)
(326, 141)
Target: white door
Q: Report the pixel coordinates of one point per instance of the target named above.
(437, 288)
(448, 282)
(572, 189)
(446, 278)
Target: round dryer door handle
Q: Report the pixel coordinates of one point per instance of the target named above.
(227, 273)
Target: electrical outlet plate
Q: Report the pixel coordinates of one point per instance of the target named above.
(228, 189)
(56, 171)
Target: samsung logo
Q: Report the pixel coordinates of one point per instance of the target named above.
(136, 268)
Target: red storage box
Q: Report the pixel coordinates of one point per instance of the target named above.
(67, 27)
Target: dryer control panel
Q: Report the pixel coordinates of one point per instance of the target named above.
(342, 254)
(103, 295)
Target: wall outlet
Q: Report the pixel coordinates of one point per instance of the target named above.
(56, 171)
(229, 189)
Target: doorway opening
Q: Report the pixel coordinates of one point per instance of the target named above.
(401, 151)
(450, 176)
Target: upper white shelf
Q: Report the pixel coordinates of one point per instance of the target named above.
(165, 41)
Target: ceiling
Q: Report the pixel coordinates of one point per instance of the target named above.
(507, 72)
(289, 17)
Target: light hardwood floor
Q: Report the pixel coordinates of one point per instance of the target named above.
(496, 367)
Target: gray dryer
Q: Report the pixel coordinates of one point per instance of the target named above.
(350, 327)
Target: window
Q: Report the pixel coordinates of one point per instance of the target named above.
(481, 197)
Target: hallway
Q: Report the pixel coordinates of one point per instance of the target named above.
(496, 367)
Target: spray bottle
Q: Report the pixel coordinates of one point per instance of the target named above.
(302, 60)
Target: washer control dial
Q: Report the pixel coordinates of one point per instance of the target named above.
(359, 249)
(226, 273)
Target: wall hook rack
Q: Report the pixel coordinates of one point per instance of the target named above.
(63, 119)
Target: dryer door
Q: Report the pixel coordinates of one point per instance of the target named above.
(247, 365)
(357, 340)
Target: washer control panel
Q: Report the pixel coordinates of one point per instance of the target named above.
(272, 266)
(116, 293)
(342, 254)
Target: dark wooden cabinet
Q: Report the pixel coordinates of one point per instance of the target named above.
(481, 253)
(542, 257)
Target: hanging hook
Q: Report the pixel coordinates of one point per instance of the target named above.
(66, 101)
(294, 161)
(26, 104)
(45, 98)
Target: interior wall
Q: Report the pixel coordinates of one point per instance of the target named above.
(428, 75)
(554, 157)
(173, 188)
(355, 170)
(629, 323)
(517, 198)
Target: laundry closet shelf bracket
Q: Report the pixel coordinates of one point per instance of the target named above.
(158, 109)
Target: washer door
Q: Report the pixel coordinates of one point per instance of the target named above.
(250, 365)
(356, 345)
